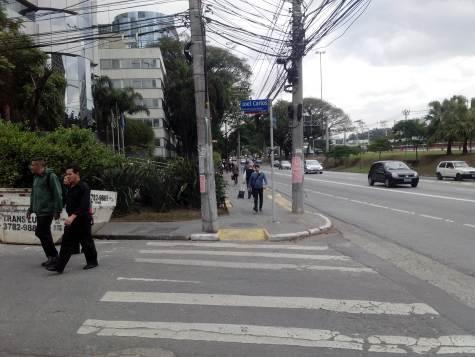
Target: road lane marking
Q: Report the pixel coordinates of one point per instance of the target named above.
(281, 302)
(391, 191)
(469, 225)
(258, 266)
(263, 266)
(159, 280)
(236, 245)
(431, 217)
(275, 335)
(245, 254)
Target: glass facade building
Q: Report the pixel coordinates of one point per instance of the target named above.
(56, 23)
(144, 28)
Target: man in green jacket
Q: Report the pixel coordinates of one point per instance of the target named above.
(46, 202)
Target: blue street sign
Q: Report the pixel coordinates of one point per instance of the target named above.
(255, 106)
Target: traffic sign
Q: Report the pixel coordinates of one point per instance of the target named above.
(255, 106)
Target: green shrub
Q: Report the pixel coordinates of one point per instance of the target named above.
(138, 136)
(163, 185)
(60, 148)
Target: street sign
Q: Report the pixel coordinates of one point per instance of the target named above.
(255, 106)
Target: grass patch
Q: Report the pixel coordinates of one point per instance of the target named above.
(426, 164)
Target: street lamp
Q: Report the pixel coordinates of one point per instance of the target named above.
(327, 139)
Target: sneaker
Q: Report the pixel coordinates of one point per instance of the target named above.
(255, 209)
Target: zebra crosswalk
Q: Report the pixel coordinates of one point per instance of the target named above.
(269, 294)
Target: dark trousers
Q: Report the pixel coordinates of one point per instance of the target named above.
(43, 232)
(249, 189)
(258, 196)
(79, 231)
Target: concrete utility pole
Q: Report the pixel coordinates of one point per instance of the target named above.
(327, 136)
(298, 47)
(209, 209)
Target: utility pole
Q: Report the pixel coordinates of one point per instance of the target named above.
(209, 209)
(406, 113)
(298, 47)
(327, 137)
(271, 120)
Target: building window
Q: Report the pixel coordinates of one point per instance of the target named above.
(135, 63)
(116, 83)
(157, 123)
(106, 64)
(158, 142)
(130, 63)
(136, 83)
(150, 103)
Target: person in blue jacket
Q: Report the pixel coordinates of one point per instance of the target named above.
(257, 182)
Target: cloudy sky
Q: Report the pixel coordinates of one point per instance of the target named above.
(400, 54)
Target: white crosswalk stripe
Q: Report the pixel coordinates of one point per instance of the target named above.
(271, 335)
(256, 266)
(152, 290)
(239, 245)
(283, 302)
(245, 254)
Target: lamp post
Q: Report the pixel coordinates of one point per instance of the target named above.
(327, 138)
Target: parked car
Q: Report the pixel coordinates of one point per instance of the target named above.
(392, 173)
(285, 165)
(458, 170)
(313, 167)
(276, 163)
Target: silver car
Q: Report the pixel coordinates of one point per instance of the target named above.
(313, 167)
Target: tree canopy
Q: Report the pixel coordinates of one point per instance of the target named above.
(31, 92)
(227, 77)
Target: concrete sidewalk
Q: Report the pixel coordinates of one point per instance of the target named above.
(241, 223)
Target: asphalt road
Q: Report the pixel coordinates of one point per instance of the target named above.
(436, 219)
(318, 297)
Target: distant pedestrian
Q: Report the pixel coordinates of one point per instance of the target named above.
(257, 182)
(235, 174)
(46, 203)
(77, 227)
(249, 171)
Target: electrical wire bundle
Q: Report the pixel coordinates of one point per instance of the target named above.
(267, 31)
(87, 37)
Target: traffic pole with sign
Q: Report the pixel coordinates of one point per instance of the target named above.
(271, 122)
(256, 106)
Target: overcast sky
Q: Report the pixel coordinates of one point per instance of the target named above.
(399, 54)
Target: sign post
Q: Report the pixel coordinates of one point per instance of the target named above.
(257, 106)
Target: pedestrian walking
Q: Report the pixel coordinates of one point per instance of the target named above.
(46, 203)
(77, 227)
(257, 182)
(235, 174)
(249, 171)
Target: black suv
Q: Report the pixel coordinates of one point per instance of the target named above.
(392, 173)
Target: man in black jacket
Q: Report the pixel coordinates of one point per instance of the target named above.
(77, 227)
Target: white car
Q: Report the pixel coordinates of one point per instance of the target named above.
(457, 170)
(313, 166)
(285, 165)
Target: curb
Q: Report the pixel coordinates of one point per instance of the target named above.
(303, 234)
(141, 237)
(204, 237)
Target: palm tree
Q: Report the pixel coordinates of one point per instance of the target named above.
(108, 100)
(446, 119)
